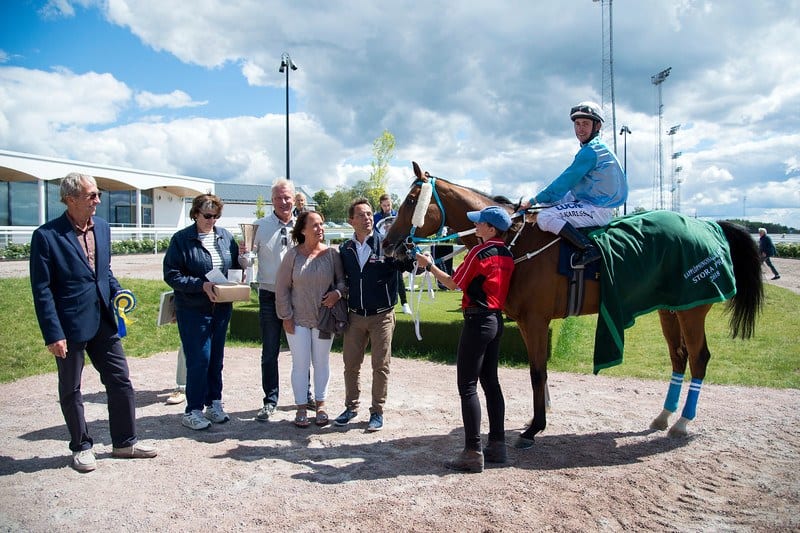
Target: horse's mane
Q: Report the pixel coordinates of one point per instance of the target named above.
(497, 199)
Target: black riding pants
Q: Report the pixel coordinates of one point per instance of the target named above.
(478, 353)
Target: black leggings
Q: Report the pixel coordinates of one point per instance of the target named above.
(478, 352)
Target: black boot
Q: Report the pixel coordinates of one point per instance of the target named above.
(589, 251)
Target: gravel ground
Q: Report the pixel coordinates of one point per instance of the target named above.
(596, 467)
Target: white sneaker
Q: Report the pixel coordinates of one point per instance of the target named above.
(177, 397)
(195, 420)
(215, 413)
(407, 309)
(84, 461)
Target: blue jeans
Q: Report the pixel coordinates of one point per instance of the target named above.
(203, 339)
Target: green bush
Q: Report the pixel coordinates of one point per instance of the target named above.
(16, 251)
(440, 332)
(144, 246)
(789, 250)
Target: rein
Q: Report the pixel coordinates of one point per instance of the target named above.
(427, 191)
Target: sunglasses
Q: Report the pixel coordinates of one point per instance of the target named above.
(92, 196)
(209, 216)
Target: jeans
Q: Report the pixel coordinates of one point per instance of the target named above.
(203, 339)
(478, 354)
(107, 356)
(271, 327)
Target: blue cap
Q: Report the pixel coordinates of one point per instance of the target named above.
(494, 215)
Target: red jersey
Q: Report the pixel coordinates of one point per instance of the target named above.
(485, 275)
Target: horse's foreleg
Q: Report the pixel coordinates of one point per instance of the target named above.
(670, 327)
(692, 324)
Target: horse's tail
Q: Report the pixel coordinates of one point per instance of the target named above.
(746, 305)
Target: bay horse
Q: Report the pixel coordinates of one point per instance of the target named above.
(538, 294)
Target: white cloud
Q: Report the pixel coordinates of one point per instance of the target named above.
(36, 104)
(175, 99)
(487, 108)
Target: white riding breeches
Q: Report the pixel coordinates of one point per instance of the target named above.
(579, 214)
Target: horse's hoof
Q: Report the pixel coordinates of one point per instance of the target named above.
(679, 428)
(523, 444)
(661, 422)
(658, 425)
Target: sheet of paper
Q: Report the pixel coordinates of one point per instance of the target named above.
(216, 277)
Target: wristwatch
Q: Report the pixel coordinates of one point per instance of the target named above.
(428, 267)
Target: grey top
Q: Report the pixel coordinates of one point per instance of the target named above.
(302, 282)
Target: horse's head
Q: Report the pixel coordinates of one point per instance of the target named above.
(431, 205)
(415, 211)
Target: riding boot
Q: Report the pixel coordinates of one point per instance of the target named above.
(467, 461)
(589, 251)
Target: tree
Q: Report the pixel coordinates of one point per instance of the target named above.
(375, 186)
(321, 198)
(337, 206)
(260, 211)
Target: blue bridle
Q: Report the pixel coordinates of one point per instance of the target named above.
(440, 237)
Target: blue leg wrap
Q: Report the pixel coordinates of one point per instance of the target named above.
(674, 392)
(690, 409)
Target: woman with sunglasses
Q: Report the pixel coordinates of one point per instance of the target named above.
(202, 322)
(587, 192)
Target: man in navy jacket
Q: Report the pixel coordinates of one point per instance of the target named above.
(372, 294)
(73, 287)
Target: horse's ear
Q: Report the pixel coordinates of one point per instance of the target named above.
(417, 170)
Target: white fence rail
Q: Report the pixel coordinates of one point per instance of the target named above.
(22, 234)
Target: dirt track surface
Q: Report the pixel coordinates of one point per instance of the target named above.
(596, 467)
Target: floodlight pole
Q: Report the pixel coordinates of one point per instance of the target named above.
(625, 131)
(657, 80)
(286, 66)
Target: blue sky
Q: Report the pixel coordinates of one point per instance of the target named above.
(474, 92)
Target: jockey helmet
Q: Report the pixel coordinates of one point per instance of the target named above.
(588, 110)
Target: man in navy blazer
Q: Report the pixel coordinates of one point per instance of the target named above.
(73, 287)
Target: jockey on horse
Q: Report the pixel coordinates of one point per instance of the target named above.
(587, 192)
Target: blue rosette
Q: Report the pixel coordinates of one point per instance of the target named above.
(124, 302)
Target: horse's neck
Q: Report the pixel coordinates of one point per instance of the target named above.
(457, 202)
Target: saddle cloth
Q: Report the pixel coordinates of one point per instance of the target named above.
(656, 260)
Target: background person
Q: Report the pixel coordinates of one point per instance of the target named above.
(272, 241)
(202, 321)
(371, 279)
(299, 204)
(587, 192)
(306, 275)
(178, 396)
(484, 278)
(73, 287)
(383, 213)
(767, 251)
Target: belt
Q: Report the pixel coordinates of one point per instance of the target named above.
(480, 311)
(369, 312)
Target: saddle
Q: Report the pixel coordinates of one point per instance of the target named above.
(576, 276)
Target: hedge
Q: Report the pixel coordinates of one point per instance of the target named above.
(440, 335)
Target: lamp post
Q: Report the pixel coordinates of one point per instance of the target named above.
(286, 66)
(657, 80)
(624, 131)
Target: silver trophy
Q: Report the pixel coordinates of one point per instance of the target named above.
(249, 237)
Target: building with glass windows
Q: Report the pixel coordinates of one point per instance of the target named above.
(136, 203)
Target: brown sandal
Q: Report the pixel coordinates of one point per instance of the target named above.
(322, 418)
(301, 419)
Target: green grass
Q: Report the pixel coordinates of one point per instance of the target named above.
(771, 359)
